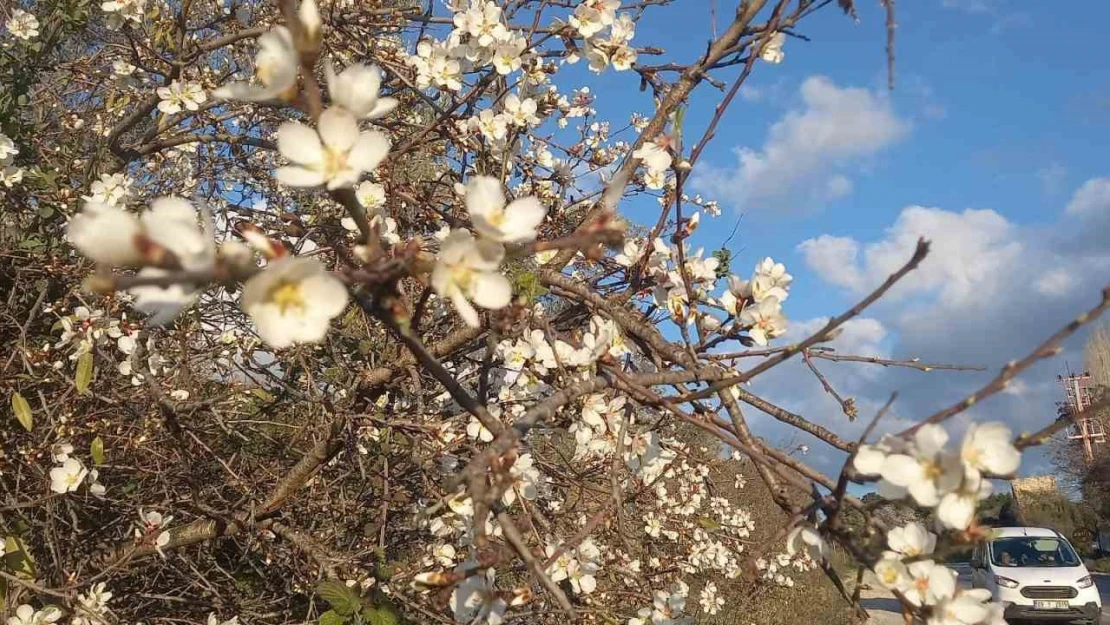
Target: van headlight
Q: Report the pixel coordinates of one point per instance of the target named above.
(1005, 581)
(1085, 582)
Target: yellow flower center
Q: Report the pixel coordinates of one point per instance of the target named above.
(265, 71)
(334, 162)
(932, 470)
(462, 276)
(288, 295)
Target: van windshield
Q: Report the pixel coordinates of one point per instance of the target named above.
(1021, 551)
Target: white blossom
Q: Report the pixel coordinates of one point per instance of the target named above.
(929, 583)
(23, 25)
(989, 447)
(275, 67)
(357, 90)
(764, 320)
(506, 55)
(927, 471)
(27, 615)
(805, 539)
(710, 601)
(336, 156)
(956, 509)
(467, 271)
(8, 148)
(771, 51)
(293, 301)
(515, 223)
(474, 600)
(120, 11)
(770, 280)
(655, 157)
(371, 195)
(967, 607)
(107, 235)
(911, 540)
(110, 189)
(521, 111)
(67, 477)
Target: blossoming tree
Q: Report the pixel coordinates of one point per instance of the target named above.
(344, 289)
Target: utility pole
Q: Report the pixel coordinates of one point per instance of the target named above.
(1077, 393)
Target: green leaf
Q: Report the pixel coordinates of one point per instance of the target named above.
(384, 614)
(84, 373)
(342, 598)
(16, 558)
(331, 617)
(262, 394)
(708, 523)
(46, 212)
(22, 411)
(97, 451)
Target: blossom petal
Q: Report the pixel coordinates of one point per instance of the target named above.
(300, 144)
(491, 290)
(466, 311)
(338, 129)
(382, 108)
(370, 149)
(299, 177)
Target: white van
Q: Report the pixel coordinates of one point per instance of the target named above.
(1037, 575)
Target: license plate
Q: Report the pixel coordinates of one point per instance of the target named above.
(1050, 605)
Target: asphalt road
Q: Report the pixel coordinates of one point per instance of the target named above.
(1103, 583)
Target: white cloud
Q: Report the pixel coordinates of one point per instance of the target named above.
(862, 336)
(1092, 199)
(835, 128)
(1056, 282)
(968, 250)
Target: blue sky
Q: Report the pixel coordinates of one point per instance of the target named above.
(993, 144)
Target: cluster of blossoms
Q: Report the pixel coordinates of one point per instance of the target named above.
(479, 39)
(667, 607)
(179, 96)
(110, 190)
(951, 481)
(577, 565)
(590, 19)
(754, 306)
(10, 175)
(757, 302)
(23, 25)
(466, 269)
(656, 158)
(923, 582)
(92, 606)
(85, 329)
(517, 114)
